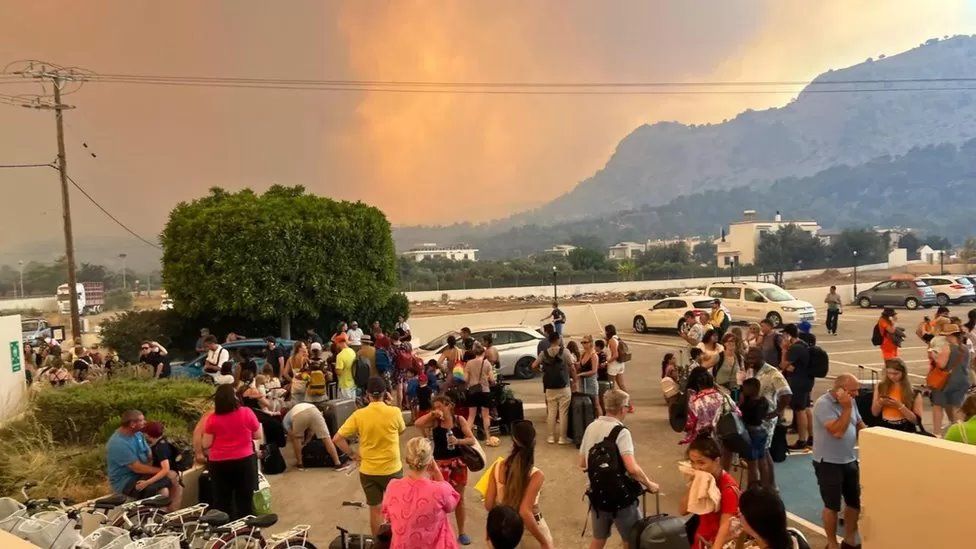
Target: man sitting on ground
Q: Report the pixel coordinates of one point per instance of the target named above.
(129, 458)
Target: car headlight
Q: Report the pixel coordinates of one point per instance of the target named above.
(791, 309)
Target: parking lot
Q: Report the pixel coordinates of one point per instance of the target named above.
(314, 496)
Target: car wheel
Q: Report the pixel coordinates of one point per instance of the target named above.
(911, 303)
(775, 319)
(942, 299)
(640, 325)
(864, 303)
(523, 368)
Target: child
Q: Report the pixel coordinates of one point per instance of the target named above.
(755, 408)
(162, 457)
(422, 402)
(504, 527)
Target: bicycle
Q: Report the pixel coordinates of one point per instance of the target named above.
(214, 530)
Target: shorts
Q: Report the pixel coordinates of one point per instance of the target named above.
(310, 420)
(616, 368)
(953, 396)
(624, 520)
(800, 401)
(374, 486)
(758, 438)
(478, 400)
(148, 491)
(455, 472)
(588, 385)
(838, 480)
(347, 393)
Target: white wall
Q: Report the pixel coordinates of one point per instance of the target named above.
(566, 290)
(13, 385)
(48, 304)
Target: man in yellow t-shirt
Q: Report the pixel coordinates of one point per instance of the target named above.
(344, 366)
(378, 427)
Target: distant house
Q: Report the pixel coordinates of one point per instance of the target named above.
(827, 236)
(454, 253)
(625, 250)
(928, 255)
(691, 242)
(561, 249)
(894, 234)
(741, 244)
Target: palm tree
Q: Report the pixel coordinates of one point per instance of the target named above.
(627, 268)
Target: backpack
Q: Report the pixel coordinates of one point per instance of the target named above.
(360, 372)
(316, 383)
(819, 361)
(383, 363)
(611, 488)
(623, 351)
(726, 321)
(181, 457)
(404, 359)
(553, 370)
(877, 338)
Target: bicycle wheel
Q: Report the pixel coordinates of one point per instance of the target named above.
(294, 543)
(139, 517)
(240, 539)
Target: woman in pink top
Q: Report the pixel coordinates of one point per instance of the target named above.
(228, 436)
(419, 505)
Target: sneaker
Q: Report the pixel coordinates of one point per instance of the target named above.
(463, 539)
(810, 442)
(344, 466)
(799, 446)
(565, 441)
(551, 440)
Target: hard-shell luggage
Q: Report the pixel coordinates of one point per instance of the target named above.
(658, 531)
(205, 488)
(678, 412)
(865, 396)
(581, 414)
(314, 454)
(336, 412)
(511, 410)
(272, 462)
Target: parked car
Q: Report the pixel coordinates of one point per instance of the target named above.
(668, 314)
(755, 301)
(950, 288)
(910, 294)
(34, 330)
(516, 346)
(256, 349)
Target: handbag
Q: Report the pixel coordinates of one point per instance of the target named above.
(937, 378)
(731, 431)
(476, 388)
(262, 496)
(473, 457)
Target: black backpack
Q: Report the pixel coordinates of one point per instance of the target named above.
(553, 369)
(877, 338)
(819, 361)
(360, 372)
(611, 488)
(181, 457)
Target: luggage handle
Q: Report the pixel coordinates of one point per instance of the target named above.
(873, 376)
(657, 502)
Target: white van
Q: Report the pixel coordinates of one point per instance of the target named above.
(755, 301)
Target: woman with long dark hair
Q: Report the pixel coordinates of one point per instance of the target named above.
(764, 518)
(615, 366)
(228, 436)
(517, 483)
(714, 528)
(899, 406)
(711, 349)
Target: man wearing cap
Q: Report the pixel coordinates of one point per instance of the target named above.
(355, 335)
(304, 421)
(275, 355)
(717, 317)
(368, 353)
(378, 427)
(344, 366)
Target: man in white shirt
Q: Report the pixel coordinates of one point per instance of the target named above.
(401, 324)
(355, 336)
(216, 355)
(692, 331)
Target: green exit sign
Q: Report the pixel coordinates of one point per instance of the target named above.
(15, 364)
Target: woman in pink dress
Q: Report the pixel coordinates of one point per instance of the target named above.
(418, 506)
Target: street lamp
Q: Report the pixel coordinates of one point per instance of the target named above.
(555, 291)
(21, 264)
(855, 274)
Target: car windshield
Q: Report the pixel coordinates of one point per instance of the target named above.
(703, 304)
(920, 283)
(436, 344)
(776, 294)
(29, 325)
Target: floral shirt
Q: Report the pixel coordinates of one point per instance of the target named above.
(704, 409)
(772, 386)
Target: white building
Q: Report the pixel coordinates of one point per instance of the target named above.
(431, 250)
(741, 244)
(691, 242)
(930, 256)
(561, 249)
(625, 250)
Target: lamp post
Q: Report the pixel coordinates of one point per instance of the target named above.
(21, 265)
(855, 274)
(555, 289)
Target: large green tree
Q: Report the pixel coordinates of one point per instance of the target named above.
(587, 259)
(283, 254)
(788, 248)
(871, 247)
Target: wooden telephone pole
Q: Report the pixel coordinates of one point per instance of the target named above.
(69, 244)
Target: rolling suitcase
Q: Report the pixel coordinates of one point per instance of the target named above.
(865, 396)
(511, 410)
(658, 531)
(336, 412)
(581, 414)
(314, 454)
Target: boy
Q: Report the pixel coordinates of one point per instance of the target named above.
(162, 457)
(504, 528)
(755, 409)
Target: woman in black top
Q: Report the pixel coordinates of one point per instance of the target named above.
(450, 431)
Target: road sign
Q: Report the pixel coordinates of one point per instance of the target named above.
(15, 365)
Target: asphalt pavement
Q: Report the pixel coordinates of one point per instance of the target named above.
(314, 496)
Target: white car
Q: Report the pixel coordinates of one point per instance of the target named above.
(668, 313)
(950, 288)
(517, 348)
(166, 304)
(755, 301)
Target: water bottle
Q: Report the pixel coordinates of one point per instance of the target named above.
(451, 440)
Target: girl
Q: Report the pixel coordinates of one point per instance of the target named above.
(517, 483)
(449, 432)
(677, 372)
(478, 377)
(764, 518)
(615, 366)
(711, 349)
(754, 336)
(954, 358)
(899, 406)
(714, 529)
(603, 381)
(295, 363)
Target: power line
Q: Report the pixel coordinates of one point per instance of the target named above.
(48, 165)
(110, 216)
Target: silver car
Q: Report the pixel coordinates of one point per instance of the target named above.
(908, 293)
(516, 345)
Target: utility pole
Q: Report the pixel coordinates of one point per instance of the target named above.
(21, 265)
(69, 244)
(122, 257)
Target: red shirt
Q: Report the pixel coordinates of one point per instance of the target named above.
(233, 434)
(708, 524)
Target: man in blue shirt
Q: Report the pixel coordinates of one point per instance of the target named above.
(130, 461)
(836, 423)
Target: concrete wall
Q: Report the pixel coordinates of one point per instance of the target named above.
(915, 491)
(898, 257)
(566, 290)
(13, 381)
(44, 304)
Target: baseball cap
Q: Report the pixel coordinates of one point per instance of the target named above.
(153, 429)
(315, 346)
(376, 386)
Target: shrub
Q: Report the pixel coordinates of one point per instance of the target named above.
(78, 414)
(118, 300)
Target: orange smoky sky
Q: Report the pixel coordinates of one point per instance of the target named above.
(422, 158)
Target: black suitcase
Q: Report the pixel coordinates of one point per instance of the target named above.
(511, 410)
(205, 488)
(678, 412)
(272, 462)
(581, 414)
(314, 454)
(658, 531)
(865, 396)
